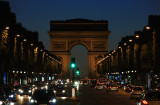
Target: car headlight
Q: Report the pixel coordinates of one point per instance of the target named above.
(33, 101)
(46, 87)
(1, 102)
(63, 91)
(29, 91)
(11, 103)
(20, 90)
(53, 100)
(54, 91)
(11, 96)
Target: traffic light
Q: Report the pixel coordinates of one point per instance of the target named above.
(73, 64)
(77, 72)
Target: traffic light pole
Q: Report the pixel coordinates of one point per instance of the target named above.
(73, 65)
(73, 77)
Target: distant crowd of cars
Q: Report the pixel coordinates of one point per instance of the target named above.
(106, 85)
(39, 93)
(142, 95)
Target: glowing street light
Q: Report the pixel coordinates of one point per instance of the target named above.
(148, 28)
(31, 44)
(7, 28)
(18, 35)
(25, 40)
(137, 36)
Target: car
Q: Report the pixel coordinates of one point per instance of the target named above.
(151, 97)
(137, 91)
(84, 82)
(10, 94)
(129, 88)
(25, 90)
(59, 90)
(113, 87)
(99, 86)
(44, 97)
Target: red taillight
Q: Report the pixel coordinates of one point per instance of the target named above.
(144, 102)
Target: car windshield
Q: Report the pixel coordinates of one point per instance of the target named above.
(60, 87)
(43, 93)
(153, 96)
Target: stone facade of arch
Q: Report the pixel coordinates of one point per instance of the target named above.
(89, 33)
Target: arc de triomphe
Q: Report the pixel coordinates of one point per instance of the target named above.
(89, 33)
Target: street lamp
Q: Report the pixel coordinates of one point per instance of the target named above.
(148, 28)
(137, 36)
(24, 40)
(7, 28)
(17, 35)
(125, 44)
(31, 44)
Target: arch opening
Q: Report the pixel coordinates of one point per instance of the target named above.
(80, 53)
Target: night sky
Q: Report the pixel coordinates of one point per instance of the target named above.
(124, 17)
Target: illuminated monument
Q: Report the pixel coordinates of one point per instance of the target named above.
(93, 34)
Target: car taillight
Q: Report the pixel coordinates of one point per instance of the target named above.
(144, 102)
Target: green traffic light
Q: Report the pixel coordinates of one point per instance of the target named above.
(77, 72)
(73, 65)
